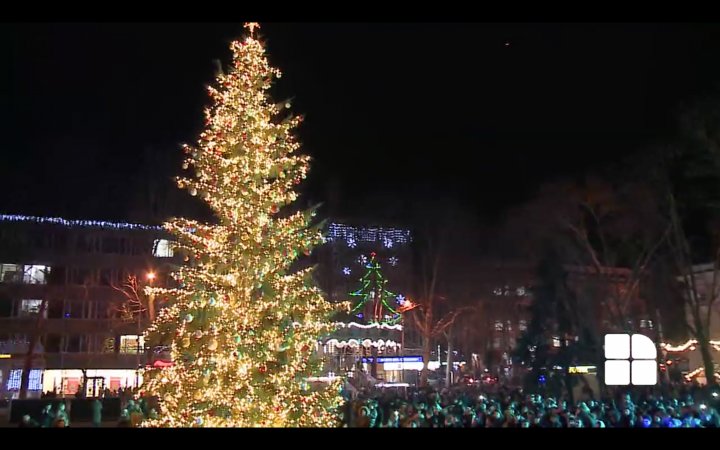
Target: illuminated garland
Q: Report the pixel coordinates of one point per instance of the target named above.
(78, 223)
(697, 372)
(689, 345)
(381, 326)
(367, 343)
(352, 235)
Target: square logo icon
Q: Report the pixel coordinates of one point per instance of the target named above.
(617, 372)
(630, 360)
(644, 372)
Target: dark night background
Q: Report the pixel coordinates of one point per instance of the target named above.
(93, 114)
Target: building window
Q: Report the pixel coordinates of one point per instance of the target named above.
(162, 249)
(111, 245)
(73, 344)
(646, 324)
(36, 274)
(555, 341)
(522, 325)
(15, 376)
(81, 276)
(498, 325)
(108, 277)
(508, 326)
(11, 273)
(131, 343)
(31, 307)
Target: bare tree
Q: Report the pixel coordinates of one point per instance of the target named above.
(136, 302)
(699, 295)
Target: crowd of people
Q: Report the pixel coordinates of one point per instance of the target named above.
(134, 409)
(683, 407)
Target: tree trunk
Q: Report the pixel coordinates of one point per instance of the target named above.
(427, 349)
(151, 307)
(449, 370)
(707, 358)
(30, 355)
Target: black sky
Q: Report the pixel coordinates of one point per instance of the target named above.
(479, 112)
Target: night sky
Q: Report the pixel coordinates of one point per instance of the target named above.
(91, 114)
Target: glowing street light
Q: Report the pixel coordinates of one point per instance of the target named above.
(150, 276)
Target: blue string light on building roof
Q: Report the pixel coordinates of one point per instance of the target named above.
(78, 223)
(338, 231)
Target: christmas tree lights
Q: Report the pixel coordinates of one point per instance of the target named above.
(240, 326)
(374, 305)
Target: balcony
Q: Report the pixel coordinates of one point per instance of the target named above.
(28, 324)
(93, 360)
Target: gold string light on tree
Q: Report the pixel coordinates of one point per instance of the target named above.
(240, 325)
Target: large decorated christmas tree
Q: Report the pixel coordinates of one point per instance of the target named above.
(241, 325)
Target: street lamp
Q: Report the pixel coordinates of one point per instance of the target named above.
(150, 277)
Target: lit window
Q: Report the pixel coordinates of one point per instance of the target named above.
(31, 307)
(36, 274)
(10, 273)
(556, 341)
(522, 325)
(35, 382)
(162, 249)
(498, 325)
(520, 292)
(131, 343)
(646, 324)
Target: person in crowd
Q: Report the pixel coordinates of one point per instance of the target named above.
(97, 407)
(28, 422)
(47, 416)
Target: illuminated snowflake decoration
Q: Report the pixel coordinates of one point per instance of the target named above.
(387, 242)
(346, 270)
(393, 261)
(362, 259)
(400, 299)
(498, 291)
(351, 242)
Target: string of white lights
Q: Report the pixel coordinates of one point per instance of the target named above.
(382, 326)
(691, 344)
(338, 231)
(367, 343)
(697, 372)
(77, 223)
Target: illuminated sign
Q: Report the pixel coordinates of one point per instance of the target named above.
(5, 356)
(580, 370)
(403, 366)
(393, 359)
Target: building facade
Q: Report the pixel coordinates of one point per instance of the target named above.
(61, 292)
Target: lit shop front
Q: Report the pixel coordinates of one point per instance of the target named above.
(391, 369)
(68, 381)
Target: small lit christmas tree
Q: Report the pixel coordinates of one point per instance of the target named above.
(241, 326)
(375, 303)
